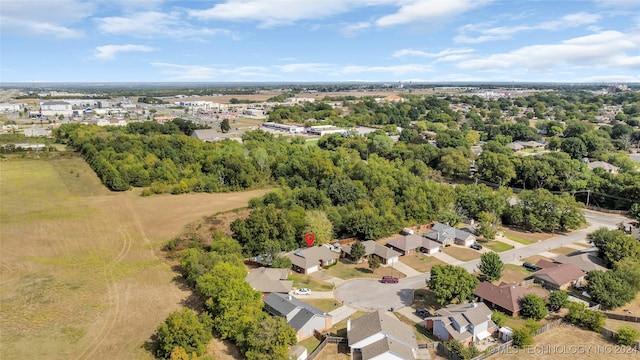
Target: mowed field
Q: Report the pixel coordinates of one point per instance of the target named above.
(81, 271)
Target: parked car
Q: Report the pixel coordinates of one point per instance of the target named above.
(422, 313)
(529, 266)
(389, 280)
(476, 246)
(303, 291)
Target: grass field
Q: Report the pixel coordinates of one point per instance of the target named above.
(326, 305)
(420, 262)
(497, 246)
(513, 273)
(306, 281)
(460, 253)
(565, 342)
(82, 273)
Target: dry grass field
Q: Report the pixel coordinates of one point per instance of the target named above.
(570, 343)
(82, 274)
(420, 262)
(461, 253)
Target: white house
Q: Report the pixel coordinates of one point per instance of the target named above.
(312, 259)
(466, 323)
(380, 335)
(304, 318)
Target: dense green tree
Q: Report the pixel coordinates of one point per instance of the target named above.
(557, 300)
(627, 336)
(615, 245)
(496, 168)
(182, 329)
(499, 318)
(522, 337)
(318, 224)
(357, 251)
(542, 211)
(491, 266)
(451, 284)
(574, 147)
(271, 339)
(487, 225)
(374, 262)
(533, 306)
(609, 289)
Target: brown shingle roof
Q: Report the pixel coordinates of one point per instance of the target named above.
(507, 296)
(379, 321)
(557, 274)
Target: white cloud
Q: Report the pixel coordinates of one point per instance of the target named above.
(44, 18)
(391, 69)
(601, 50)
(154, 23)
(442, 54)
(109, 52)
(308, 67)
(618, 3)
(420, 10)
(200, 72)
(506, 32)
(353, 29)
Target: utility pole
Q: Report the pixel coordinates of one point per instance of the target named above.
(588, 193)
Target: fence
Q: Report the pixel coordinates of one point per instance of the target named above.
(628, 318)
(324, 340)
(526, 283)
(431, 345)
(613, 335)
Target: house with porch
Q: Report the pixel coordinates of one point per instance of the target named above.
(380, 335)
(304, 318)
(267, 280)
(387, 255)
(557, 276)
(467, 323)
(411, 244)
(312, 259)
(505, 297)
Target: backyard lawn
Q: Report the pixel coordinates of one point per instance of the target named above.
(420, 262)
(461, 253)
(513, 273)
(420, 332)
(326, 305)
(306, 281)
(347, 270)
(424, 298)
(497, 246)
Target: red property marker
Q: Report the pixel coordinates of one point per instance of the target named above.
(309, 238)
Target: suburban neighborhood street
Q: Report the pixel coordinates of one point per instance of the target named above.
(371, 294)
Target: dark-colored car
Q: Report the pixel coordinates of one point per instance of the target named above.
(476, 246)
(422, 313)
(529, 266)
(389, 280)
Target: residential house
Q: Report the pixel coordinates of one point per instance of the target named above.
(515, 146)
(448, 235)
(411, 244)
(505, 297)
(387, 255)
(604, 166)
(304, 318)
(380, 335)
(467, 323)
(267, 280)
(532, 144)
(312, 259)
(558, 276)
(586, 259)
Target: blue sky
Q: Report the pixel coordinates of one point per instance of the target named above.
(320, 40)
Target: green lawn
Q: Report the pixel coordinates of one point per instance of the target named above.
(346, 270)
(306, 281)
(497, 246)
(424, 298)
(517, 239)
(420, 332)
(460, 253)
(326, 305)
(310, 343)
(513, 273)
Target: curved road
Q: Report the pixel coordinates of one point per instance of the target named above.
(371, 294)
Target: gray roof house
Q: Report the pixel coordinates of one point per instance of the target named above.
(603, 165)
(212, 135)
(448, 235)
(380, 335)
(312, 259)
(267, 280)
(304, 318)
(371, 247)
(466, 323)
(413, 243)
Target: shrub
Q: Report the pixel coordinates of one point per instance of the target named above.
(627, 335)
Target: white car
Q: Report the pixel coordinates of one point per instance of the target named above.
(303, 291)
